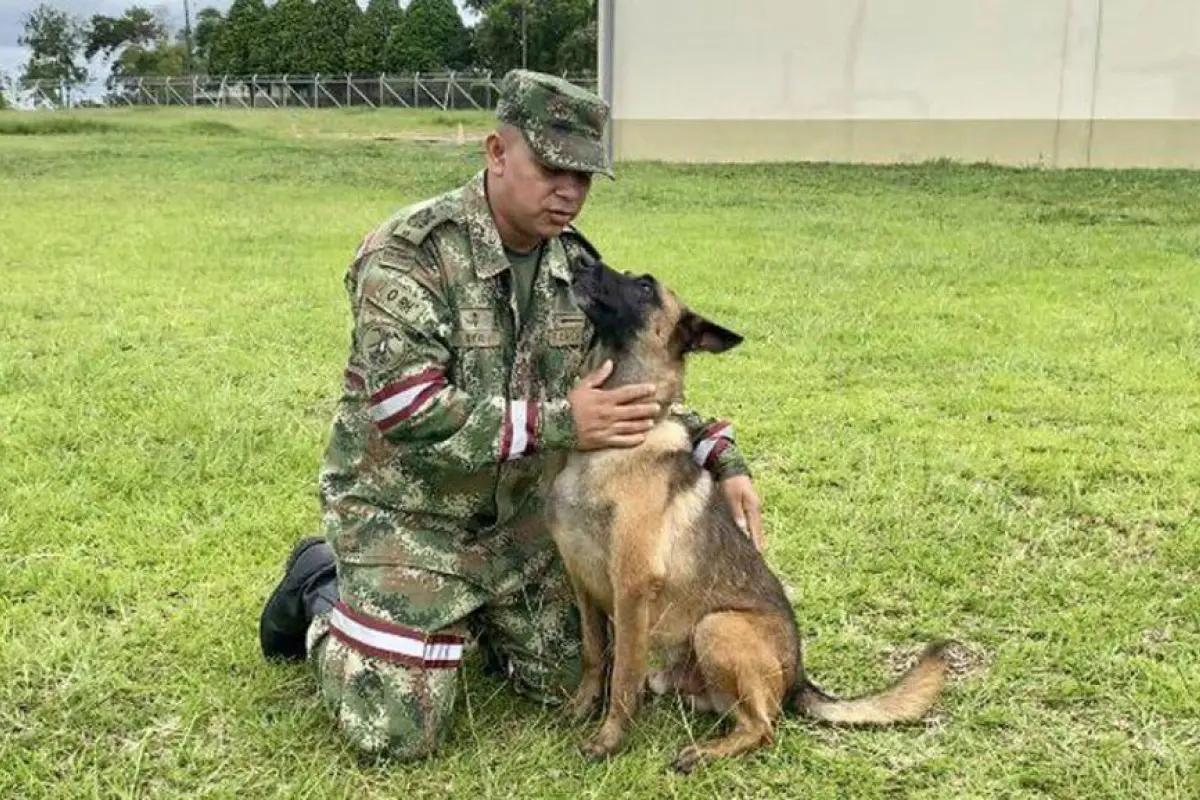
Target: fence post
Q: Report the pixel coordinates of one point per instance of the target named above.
(416, 91)
(381, 77)
(316, 97)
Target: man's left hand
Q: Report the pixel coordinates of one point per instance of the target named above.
(741, 495)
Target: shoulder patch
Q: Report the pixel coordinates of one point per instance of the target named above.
(381, 346)
(422, 218)
(399, 298)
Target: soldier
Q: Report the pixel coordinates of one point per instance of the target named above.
(462, 378)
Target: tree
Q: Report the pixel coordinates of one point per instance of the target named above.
(395, 51)
(285, 47)
(209, 23)
(432, 37)
(332, 21)
(55, 41)
(137, 26)
(162, 60)
(240, 46)
(560, 35)
(366, 43)
(307, 37)
(579, 51)
(138, 43)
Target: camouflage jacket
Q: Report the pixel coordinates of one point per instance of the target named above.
(450, 403)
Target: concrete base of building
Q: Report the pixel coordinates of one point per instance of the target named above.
(1039, 143)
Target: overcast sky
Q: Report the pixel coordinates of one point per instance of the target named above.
(12, 58)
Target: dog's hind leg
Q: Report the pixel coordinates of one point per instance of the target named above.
(738, 656)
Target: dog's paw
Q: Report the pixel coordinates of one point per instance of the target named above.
(688, 759)
(594, 751)
(604, 744)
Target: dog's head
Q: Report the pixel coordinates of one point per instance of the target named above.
(642, 324)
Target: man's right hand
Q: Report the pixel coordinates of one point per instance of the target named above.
(613, 417)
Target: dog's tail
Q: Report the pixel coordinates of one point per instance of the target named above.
(906, 699)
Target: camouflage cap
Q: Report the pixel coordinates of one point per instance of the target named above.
(563, 124)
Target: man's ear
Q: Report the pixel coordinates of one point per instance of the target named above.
(703, 334)
(495, 147)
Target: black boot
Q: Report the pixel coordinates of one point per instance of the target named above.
(308, 588)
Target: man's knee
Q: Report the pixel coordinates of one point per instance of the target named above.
(384, 708)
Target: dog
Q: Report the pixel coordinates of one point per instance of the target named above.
(650, 544)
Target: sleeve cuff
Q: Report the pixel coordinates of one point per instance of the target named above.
(729, 464)
(557, 428)
(715, 450)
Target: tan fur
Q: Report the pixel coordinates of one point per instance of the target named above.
(636, 549)
(905, 700)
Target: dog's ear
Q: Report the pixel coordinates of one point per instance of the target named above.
(703, 334)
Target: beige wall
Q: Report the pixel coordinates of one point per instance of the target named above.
(1056, 82)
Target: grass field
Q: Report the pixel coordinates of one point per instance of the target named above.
(969, 395)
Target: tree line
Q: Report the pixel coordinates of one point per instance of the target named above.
(305, 37)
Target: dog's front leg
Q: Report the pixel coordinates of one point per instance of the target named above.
(591, 682)
(631, 633)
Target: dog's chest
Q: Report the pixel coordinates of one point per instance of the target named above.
(594, 492)
(581, 523)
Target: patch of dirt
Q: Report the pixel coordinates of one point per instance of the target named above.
(963, 659)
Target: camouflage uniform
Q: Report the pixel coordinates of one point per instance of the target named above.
(451, 403)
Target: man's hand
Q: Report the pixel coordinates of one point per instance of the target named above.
(741, 495)
(611, 418)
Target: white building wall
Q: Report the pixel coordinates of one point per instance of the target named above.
(1068, 82)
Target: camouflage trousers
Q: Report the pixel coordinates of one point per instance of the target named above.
(391, 683)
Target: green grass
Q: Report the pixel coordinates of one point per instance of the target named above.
(148, 120)
(969, 395)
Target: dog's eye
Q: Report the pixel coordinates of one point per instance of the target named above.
(647, 287)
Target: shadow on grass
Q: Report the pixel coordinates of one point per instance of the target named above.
(50, 124)
(44, 125)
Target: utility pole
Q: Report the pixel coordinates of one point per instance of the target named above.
(524, 38)
(187, 38)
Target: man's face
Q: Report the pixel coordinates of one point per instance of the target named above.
(536, 199)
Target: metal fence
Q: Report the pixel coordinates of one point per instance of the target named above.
(442, 90)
